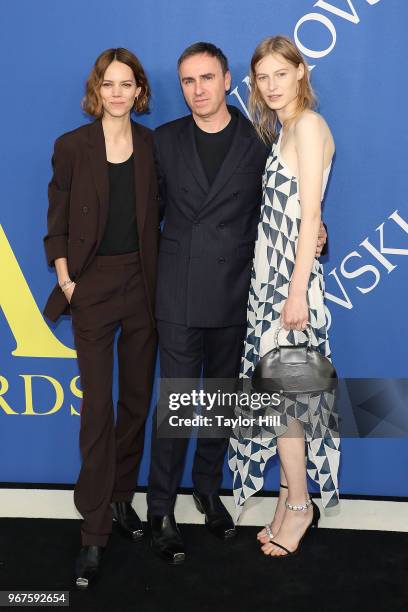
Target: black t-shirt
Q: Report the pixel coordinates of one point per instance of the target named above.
(213, 147)
(120, 234)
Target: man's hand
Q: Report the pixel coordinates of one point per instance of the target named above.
(321, 240)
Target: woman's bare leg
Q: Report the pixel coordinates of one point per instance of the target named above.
(291, 449)
(279, 510)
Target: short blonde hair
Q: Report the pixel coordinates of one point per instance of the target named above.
(264, 118)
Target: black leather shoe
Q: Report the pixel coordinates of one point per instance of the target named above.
(167, 542)
(127, 520)
(88, 565)
(217, 518)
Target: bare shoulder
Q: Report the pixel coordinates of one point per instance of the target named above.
(311, 126)
(310, 123)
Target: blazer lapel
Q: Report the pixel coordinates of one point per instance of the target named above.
(238, 148)
(141, 157)
(190, 154)
(99, 168)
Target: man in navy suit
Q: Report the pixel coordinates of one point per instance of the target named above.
(209, 165)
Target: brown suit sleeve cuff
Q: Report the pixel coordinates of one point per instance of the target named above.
(55, 247)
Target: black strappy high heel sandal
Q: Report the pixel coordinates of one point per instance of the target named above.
(314, 523)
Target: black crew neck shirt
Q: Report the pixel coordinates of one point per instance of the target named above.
(213, 147)
(120, 235)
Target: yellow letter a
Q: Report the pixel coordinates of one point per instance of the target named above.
(33, 336)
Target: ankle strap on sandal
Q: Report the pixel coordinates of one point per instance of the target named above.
(283, 486)
(299, 507)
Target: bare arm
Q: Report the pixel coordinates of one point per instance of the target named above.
(309, 141)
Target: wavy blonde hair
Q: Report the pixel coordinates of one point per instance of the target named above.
(92, 101)
(264, 118)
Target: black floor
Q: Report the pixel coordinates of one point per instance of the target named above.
(337, 570)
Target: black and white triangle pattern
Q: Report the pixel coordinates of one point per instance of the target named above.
(272, 269)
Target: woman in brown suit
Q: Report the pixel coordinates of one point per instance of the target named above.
(103, 227)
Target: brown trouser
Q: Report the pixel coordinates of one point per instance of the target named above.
(110, 295)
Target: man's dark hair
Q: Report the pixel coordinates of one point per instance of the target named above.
(209, 49)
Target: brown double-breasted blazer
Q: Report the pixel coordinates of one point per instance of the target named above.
(78, 195)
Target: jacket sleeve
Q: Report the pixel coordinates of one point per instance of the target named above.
(56, 240)
(161, 179)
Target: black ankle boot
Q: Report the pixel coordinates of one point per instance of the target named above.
(217, 517)
(167, 542)
(88, 565)
(127, 520)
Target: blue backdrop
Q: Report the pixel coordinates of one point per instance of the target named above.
(357, 48)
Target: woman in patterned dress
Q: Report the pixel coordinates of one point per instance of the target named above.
(287, 290)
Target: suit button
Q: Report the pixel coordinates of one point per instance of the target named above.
(221, 225)
(81, 240)
(196, 222)
(184, 189)
(235, 194)
(221, 260)
(85, 210)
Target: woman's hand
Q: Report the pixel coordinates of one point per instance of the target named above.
(295, 313)
(69, 291)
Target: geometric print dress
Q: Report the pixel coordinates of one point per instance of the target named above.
(274, 258)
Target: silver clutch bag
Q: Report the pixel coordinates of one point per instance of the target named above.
(294, 369)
